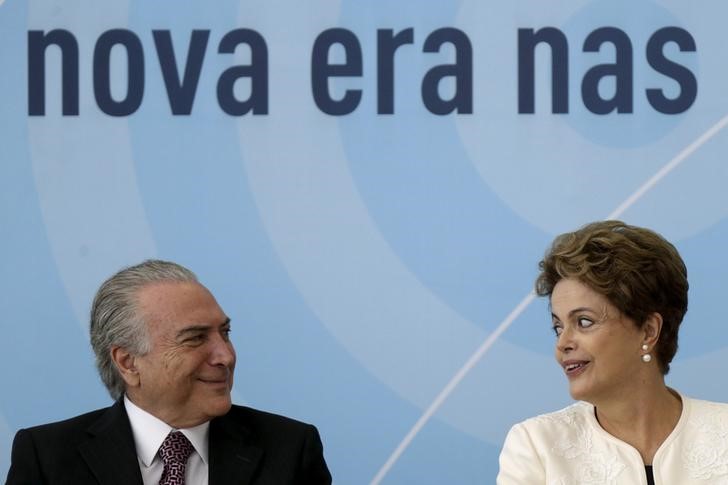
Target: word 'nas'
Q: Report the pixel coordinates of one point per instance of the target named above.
(336, 61)
(620, 72)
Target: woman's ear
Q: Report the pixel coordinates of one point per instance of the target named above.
(651, 329)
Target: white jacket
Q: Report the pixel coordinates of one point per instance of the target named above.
(569, 447)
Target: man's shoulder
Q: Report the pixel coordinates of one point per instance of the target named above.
(61, 428)
(262, 427)
(255, 418)
(59, 440)
(285, 450)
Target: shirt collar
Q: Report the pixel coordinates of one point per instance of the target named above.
(149, 432)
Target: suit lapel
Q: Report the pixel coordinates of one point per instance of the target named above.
(233, 455)
(109, 451)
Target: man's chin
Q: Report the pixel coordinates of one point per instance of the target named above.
(216, 397)
(218, 406)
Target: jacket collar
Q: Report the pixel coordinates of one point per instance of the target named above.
(109, 450)
(110, 454)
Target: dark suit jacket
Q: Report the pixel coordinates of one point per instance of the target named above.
(246, 447)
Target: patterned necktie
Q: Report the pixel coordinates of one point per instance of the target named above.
(175, 450)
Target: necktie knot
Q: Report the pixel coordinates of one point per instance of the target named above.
(175, 451)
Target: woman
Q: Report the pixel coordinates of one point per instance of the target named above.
(618, 294)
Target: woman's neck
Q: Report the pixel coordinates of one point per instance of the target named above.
(644, 419)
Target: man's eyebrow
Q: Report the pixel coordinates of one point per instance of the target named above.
(201, 328)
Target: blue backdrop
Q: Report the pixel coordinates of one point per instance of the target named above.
(376, 262)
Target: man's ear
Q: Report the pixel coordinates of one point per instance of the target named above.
(125, 363)
(652, 329)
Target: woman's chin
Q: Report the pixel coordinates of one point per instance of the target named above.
(578, 393)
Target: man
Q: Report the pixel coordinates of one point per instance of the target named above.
(163, 351)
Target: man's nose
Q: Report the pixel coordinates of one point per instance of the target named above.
(223, 352)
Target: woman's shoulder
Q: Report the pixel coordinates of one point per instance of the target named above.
(571, 424)
(707, 415)
(700, 405)
(574, 414)
(566, 434)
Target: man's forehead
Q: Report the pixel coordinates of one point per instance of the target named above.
(177, 300)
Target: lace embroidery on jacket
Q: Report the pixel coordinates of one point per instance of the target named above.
(706, 456)
(590, 467)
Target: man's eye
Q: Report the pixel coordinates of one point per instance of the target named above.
(226, 333)
(585, 322)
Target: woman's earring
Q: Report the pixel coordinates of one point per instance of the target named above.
(646, 357)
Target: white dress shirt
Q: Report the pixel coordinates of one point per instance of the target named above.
(149, 432)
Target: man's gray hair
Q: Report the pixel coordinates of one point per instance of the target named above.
(115, 319)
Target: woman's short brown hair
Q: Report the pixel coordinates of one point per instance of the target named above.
(635, 268)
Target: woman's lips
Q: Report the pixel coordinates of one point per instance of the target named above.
(573, 368)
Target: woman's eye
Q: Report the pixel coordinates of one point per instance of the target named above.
(585, 322)
(558, 329)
